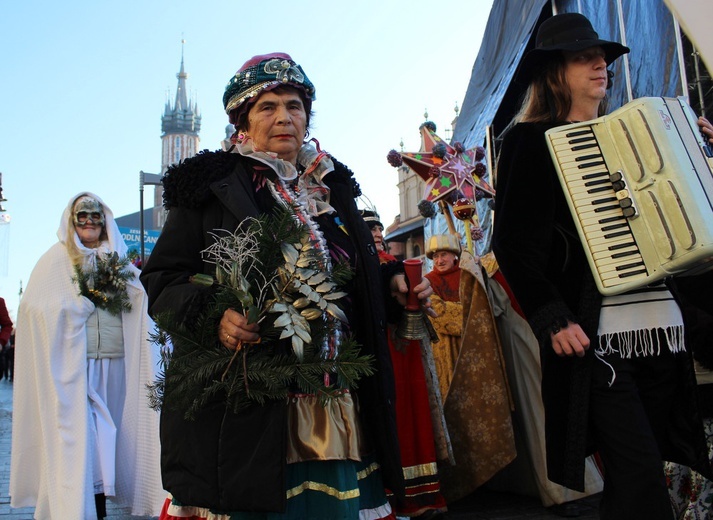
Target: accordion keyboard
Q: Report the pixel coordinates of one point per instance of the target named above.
(640, 189)
(602, 218)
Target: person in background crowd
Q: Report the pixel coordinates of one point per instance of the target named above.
(82, 427)
(444, 251)
(377, 233)
(612, 368)
(9, 355)
(5, 337)
(291, 458)
(471, 369)
(413, 414)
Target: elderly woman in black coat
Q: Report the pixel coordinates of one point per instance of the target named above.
(294, 457)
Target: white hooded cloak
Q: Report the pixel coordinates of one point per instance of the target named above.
(53, 448)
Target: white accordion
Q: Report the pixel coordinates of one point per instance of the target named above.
(640, 187)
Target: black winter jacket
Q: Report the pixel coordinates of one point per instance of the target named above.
(236, 462)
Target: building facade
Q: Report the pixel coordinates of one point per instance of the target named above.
(405, 234)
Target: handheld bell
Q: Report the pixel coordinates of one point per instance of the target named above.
(412, 324)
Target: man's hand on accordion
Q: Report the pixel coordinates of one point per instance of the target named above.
(570, 341)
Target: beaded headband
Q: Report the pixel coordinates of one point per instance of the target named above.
(371, 218)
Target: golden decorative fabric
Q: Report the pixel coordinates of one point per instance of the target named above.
(448, 326)
(477, 402)
(422, 470)
(450, 317)
(317, 432)
(322, 488)
(489, 263)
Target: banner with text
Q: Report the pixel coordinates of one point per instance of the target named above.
(132, 237)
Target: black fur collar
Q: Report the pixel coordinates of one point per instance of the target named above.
(187, 184)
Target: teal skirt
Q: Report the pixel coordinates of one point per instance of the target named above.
(317, 490)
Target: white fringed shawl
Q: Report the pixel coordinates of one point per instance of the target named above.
(629, 323)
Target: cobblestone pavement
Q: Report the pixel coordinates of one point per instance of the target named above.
(481, 505)
(6, 512)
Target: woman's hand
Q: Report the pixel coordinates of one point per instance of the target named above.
(570, 341)
(399, 290)
(706, 128)
(234, 328)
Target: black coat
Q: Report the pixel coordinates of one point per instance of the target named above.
(537, 246)
(236, 462)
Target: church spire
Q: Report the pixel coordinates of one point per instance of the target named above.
(183, 116)
(180, 126)
(181, 96)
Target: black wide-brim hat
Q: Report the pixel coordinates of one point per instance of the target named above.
(564, 32)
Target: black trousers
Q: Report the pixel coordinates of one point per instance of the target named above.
(631, 402)
(9, 363)
(100, 502)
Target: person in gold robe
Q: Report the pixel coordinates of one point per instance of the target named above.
(471, 369)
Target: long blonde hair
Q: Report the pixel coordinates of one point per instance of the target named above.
(74, 254)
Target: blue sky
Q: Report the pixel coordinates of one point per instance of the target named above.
(84, 84)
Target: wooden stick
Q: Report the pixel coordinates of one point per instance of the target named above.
(445, 209)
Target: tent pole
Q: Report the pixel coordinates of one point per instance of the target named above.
(699, 85)
(627, 72)
(681, 61)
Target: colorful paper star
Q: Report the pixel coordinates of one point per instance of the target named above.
(446, 169)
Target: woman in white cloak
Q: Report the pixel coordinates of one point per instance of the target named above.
(82, 427)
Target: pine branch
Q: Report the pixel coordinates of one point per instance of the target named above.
(272, 272)
(105, 286)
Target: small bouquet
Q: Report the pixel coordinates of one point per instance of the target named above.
(105, 285)
(273, 270)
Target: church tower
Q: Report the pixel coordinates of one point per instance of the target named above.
(180, 126)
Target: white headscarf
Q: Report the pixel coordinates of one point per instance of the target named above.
(68, 236)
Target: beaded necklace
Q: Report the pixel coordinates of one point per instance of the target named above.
(286, 196)
(307, 197)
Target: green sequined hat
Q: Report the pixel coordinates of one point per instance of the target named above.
(262, 73)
